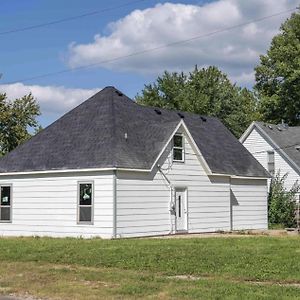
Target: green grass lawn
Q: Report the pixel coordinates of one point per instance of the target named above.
(213, 268)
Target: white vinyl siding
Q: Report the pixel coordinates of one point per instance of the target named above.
(259, 147)
(249, 204)
(143, 200)
(47, 206)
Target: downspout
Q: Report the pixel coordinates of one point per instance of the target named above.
(171, 203)
(114, 204)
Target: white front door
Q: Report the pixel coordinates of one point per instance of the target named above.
(181, 209)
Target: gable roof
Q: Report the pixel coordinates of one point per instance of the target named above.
(283, 138)
(92, 136)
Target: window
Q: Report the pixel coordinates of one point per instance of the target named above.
(178, 151)
(85, 203)
(5, 203)
(271, 162)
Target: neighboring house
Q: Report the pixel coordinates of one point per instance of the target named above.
(276, 147)
(112, 168)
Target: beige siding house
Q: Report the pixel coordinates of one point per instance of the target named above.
(111, 168)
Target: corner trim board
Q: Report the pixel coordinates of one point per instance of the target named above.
(115, 204)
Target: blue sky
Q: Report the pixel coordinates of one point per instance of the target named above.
(122, 31)
(34, 52)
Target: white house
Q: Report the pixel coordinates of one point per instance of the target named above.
(112, 168)
(276, 147)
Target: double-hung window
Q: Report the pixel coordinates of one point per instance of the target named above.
(5, 203)
(178, 148)
(85, 202)
(271, 162)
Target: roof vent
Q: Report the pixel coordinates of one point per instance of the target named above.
(157, 111)
(203, 119)
(119, 93)
(180, 115)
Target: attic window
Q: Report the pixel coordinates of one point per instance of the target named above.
(178, 148)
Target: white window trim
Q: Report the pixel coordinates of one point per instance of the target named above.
(11, 202)
(180, 148)
(78, 203)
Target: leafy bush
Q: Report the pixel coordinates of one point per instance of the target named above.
(282, 202)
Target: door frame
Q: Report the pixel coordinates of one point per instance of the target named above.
(183, 189)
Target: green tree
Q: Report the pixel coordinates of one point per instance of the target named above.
(282, 202)
(278, 75)
(205, 91)
(17, 119)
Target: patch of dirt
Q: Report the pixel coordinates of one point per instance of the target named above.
(184, 277)
(21, 297)
(97, 284)
(284, 284)
(279, 283)
(237, 234)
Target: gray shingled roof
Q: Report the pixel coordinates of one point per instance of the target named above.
(92, 136)
(285, 138)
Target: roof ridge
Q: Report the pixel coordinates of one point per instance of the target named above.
(175, 111)
(273, 124)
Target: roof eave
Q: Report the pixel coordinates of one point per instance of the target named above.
(247, 132)
(240, 176)
(63, 171)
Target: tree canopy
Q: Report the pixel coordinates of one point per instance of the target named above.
(278, 75)
(206, 91)
(17, 119)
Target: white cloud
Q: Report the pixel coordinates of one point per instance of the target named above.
(235, 51)
(53, 100)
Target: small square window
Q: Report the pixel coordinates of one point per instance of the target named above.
(85, 214)
(177, 154)
(178, 141)
(5, 213)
